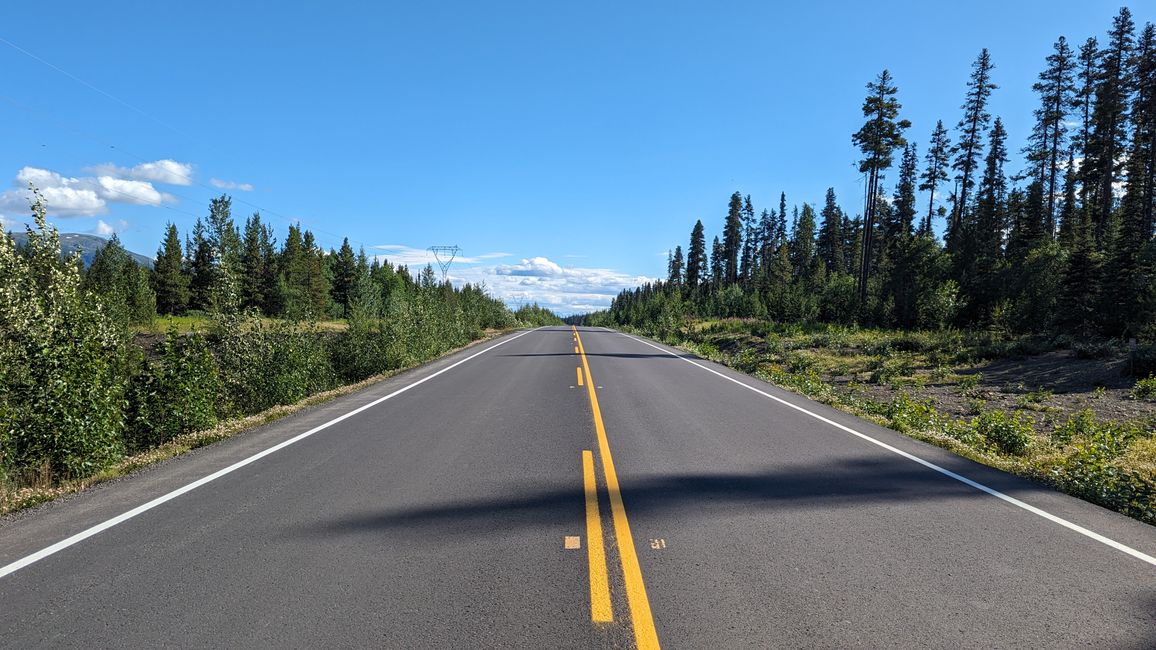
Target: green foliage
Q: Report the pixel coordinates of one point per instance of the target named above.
(122, 284)
(266, 364)
(1010, 433)
(1145, 388)
(62, 389)
(534, 316)
(174, 393)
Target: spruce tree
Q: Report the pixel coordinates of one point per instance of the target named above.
(1085, 100)
(253, 273)
(830, 244)
(717, 264)
(972, 127)
(1048, 142)
(802, 244)
(344, 271)
(732, 239)
(674, 269)
(696, 256)
(903, 215)
(986, 230)
(169, 282)
(937, 160)
(202, 268)
(1127, 275)
(122, 283)
(879, 137)
(1107, 140)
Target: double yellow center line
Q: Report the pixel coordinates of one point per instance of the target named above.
(645, 635)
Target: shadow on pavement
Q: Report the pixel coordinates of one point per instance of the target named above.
(848, 484)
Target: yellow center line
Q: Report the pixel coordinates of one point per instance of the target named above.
(600, 609)
(579, 376)
(645, 635)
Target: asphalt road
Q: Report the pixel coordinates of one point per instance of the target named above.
(458, 513)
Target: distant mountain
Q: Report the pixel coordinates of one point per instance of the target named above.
(87, 245)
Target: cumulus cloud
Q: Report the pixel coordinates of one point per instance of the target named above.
(103, 229)
(564, 289)
(230, 185)
(86, 196)
(169, 172)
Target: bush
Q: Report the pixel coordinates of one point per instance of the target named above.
(264, 365)
(62, 385)
(1012, 434)
(1145, 388)
(176, 393)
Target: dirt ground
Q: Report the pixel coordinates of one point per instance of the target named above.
(1048, 387)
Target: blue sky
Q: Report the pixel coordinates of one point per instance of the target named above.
(564, 147)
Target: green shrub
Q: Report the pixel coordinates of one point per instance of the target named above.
(174, 394)
(267, 364)
(1145, 388)
(1012, 434)
(63, 359)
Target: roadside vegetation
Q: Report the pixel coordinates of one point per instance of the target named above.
(91, 388)
(1009, 315)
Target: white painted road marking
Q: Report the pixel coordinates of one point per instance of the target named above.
(101, 527)
(946, 472)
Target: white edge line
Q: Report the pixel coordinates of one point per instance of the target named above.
(946, 472)
(145, 507)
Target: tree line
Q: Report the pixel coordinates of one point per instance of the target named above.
(1063, 245)
(80, 390)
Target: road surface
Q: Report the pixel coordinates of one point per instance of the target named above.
(563, 488)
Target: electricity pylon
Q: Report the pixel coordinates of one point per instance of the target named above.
(445, 256)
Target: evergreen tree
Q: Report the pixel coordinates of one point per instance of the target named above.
(223, 238)
(1068, 210)
(830, 244)
(880, 136)
(972, 128)
(1057, 90)
(122, 283)
(674, 268)
(253, 278)
(732, 240)
(344, 271)
(169, 282)
(202, 268)
(986, 231)
(1127, 275)
(1107, 141)
(937, 159)
(317, 285)
(1085, 98)
(717, 264)
(696, 256)
(750, 242)
(802, 244)
(903, 214)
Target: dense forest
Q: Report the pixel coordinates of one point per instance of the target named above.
(82, 387)
(1064, 245)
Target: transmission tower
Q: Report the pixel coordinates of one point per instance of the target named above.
(445, 256)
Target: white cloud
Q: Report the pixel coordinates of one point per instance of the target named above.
(564, 289)
(169, 172)
(86, 196)
(135, 192)
(230, 185)
(103, 229)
